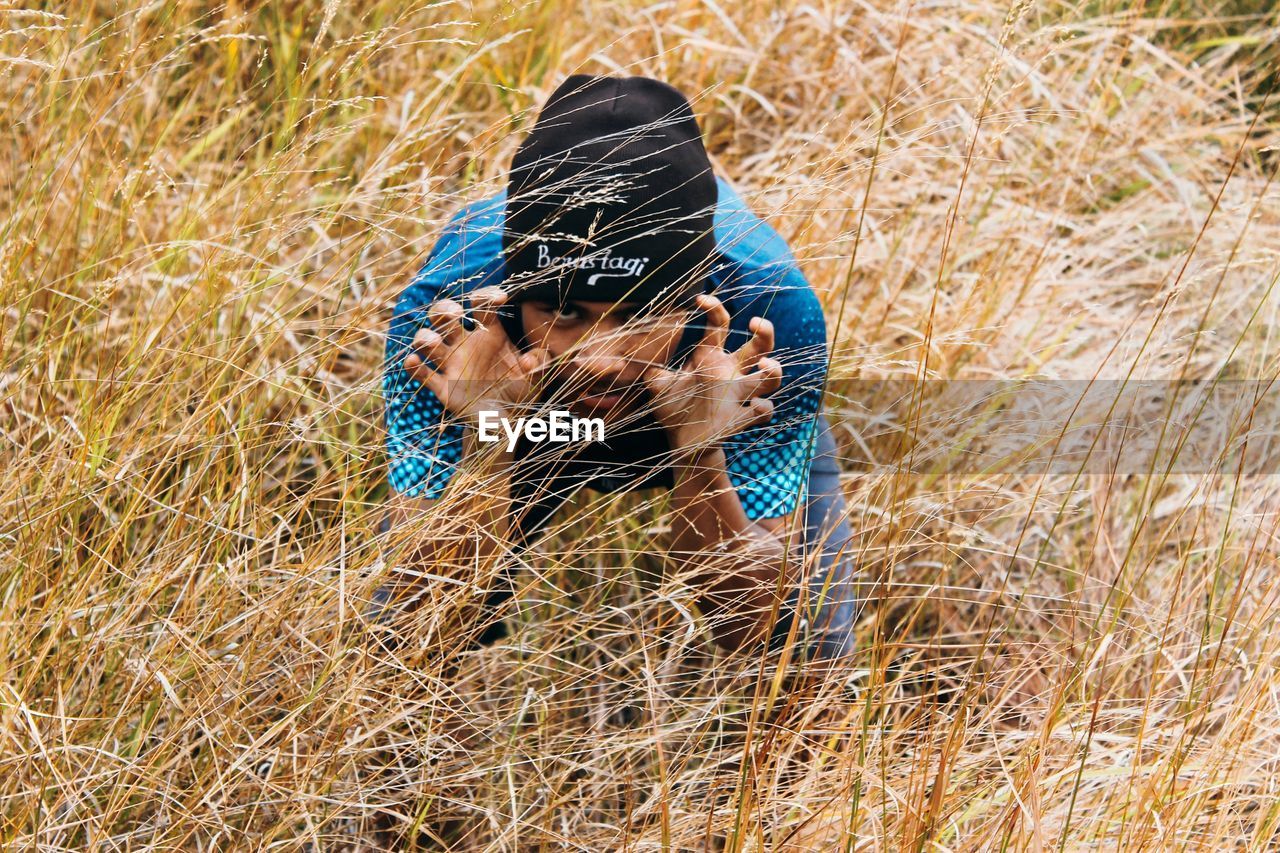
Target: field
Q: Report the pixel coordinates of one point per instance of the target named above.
(206, 214)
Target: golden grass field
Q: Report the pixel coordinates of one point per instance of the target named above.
(206, 214)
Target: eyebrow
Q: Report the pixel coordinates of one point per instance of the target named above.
(624, 310)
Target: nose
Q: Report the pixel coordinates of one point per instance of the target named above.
(603, 360)
(600, 367)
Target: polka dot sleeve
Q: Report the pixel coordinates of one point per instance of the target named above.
(768, 465)
(423, 450)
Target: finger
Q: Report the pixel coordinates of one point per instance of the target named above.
(534, 363)
(423, 373)
(659, 380)
(760, 411)
(485, 303)
(446, 318)
(764, 380)
(760, 345)
(437, 384)
(429, 344)
(717, 321)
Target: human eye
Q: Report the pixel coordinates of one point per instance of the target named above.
(558, 313)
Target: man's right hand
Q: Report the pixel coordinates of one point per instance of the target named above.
(478, 369)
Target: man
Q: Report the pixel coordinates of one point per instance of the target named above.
(618, 279)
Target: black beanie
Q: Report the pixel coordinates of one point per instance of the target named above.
(611, 197)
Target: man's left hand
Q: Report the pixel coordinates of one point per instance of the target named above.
(717, 393)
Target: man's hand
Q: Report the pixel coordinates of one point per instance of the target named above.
(717, 393)
(475, 369)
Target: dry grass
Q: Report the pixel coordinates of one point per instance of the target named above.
(206, 215)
